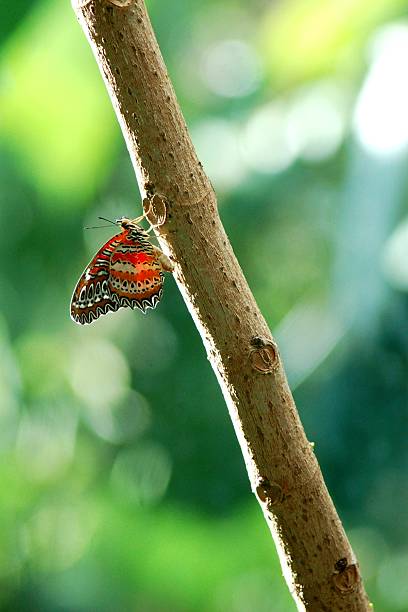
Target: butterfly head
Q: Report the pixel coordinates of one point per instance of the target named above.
(129, 224)
(132, 227)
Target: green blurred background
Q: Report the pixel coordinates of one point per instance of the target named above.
(122, 486)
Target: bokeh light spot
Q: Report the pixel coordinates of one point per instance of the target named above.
(218, 147)
(46, 440)
(392, 581)
(231, 68)
(99, 372)
(381, 118)
(58, 534)
(316, 120)
(395, 257)
(142, 474)
(119, 421)
(264, 142)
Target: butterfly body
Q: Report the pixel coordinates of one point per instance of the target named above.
(126, 272)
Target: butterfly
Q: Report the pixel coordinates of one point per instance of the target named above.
(127, 272)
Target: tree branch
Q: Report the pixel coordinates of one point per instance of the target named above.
(316, 557)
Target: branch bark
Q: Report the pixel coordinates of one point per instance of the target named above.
(317, 561)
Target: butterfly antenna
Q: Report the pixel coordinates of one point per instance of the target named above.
(108, 220)
(95, 226)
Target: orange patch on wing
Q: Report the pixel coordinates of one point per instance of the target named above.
(136, 258)
(141, 276)
(147, 275)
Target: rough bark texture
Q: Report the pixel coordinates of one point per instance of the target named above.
(316, 557)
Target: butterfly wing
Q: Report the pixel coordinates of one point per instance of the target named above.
(125, 273)
(136, 277)
(92, 297)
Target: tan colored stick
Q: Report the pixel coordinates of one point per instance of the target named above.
(316, 557)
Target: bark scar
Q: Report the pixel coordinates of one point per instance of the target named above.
(155, 209)
(264, 356)
(346, 576)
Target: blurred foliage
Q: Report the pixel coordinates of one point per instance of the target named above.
(123, 487)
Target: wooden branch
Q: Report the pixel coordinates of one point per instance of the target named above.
(317, 560)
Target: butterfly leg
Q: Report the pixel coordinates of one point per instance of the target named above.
(138, 219)
(163, 260)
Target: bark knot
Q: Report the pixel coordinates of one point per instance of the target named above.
(264, 356)
(270, 493)
(155, 209)
(346, 576)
